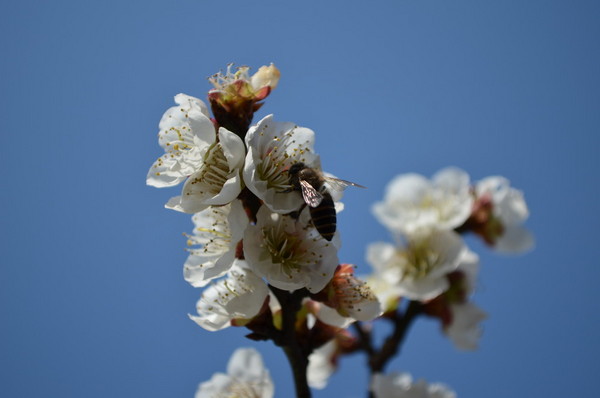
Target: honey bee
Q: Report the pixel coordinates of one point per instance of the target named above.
(311, 183)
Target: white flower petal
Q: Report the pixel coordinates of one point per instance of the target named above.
(510, 208)
(265, 76)
(515, 240)
(217, 232)
(509, 203)
(185, 134)
(331, 316)
(464, 331)
(239, 296)
(320, 365)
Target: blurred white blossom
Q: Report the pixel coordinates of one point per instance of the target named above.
(401, 385)
(464, 330)
(217, 232)
(419, 267)
(321, 365)
(246, 377)
(413, 202)
(509, 212)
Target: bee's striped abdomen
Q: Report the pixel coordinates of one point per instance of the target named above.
(324, 217)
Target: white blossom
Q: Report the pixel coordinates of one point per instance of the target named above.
(413, 202)
(193, 150)
(246, 377)
(401, 385)
(272, 148)
(464, 331)
(238, 296)
(510, 209)
(217, 233)
(419, 267)
(288, 253)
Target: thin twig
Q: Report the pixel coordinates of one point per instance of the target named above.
(392, 344)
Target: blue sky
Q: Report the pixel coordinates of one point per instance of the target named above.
(92, 298)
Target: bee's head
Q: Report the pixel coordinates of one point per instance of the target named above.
(295, 168)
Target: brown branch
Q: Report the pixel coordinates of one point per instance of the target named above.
(296, 353)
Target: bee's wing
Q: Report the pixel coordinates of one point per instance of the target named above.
(339, 185)
(311, 196)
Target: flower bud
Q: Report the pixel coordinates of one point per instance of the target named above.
(349, 296)
(235, 96)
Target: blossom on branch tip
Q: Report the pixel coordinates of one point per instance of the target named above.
(217, 232)
(273, 147)
(246, 377)
(419, 267)
(239, 296)
(498, 215)
(401, 385)
(413, 202)
(289, 254)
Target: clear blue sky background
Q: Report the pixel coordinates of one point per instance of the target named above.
(92, 298)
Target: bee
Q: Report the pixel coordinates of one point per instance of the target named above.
(311, 183)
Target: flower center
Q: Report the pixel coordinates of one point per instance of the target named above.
(278, 156)
(216, 237)
(421, 259)
(214, 171)
(287, 250)
(221, 80)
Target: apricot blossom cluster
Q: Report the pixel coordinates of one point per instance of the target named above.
(260, 255)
